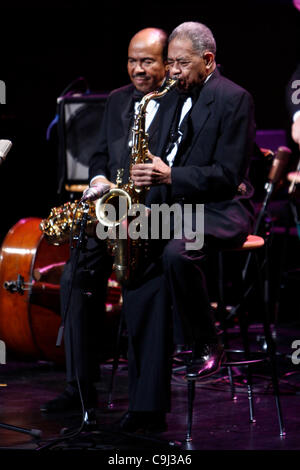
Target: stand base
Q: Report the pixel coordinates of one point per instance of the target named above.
(36, 433)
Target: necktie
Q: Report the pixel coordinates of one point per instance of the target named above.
(177, 128)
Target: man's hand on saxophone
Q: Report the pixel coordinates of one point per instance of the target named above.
(151, 174)
(98, 187)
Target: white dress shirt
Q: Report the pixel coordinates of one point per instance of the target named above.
(185, 109)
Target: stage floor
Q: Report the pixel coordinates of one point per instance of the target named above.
(219, 423)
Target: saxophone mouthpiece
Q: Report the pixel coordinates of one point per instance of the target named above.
(171, 82)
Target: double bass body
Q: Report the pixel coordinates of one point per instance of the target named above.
(30, 271)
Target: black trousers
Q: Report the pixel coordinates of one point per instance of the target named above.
(170, 305)
(83, 291)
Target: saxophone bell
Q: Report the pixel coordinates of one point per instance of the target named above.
(112, 208)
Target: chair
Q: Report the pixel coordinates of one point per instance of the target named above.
(252, 247)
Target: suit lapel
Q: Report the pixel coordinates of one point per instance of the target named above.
(200, 113)
(122, 143)
(166, 116)
(153, 132)
(127, 115)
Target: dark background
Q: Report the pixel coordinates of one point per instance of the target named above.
(44, 48)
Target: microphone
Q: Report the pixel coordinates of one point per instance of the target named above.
(5, 146)
(279, 163)
(95, 192)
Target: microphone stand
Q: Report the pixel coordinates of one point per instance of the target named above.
(279, 163)
(269, 187)
(86, 416)
(277, 168)
(79, 246)
(36, 433)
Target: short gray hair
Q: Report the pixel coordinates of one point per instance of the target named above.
(200, 35)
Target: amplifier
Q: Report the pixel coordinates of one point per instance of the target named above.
(79, 124)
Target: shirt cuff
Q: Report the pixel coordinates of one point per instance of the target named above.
(95, 177)
(296, 115)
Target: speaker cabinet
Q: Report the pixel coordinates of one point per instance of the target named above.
(79, 124)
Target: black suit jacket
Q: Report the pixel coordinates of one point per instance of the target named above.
(215, 159)
(112, 150)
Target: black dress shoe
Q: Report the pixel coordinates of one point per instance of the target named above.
(206, 362)
(68, 401)
(142, 421)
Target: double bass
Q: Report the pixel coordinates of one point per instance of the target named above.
(30, 271)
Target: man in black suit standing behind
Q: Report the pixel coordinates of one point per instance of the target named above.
(207, 131)
(146, 68)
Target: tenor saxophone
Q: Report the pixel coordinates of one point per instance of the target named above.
(66, 220)
(128, 252)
